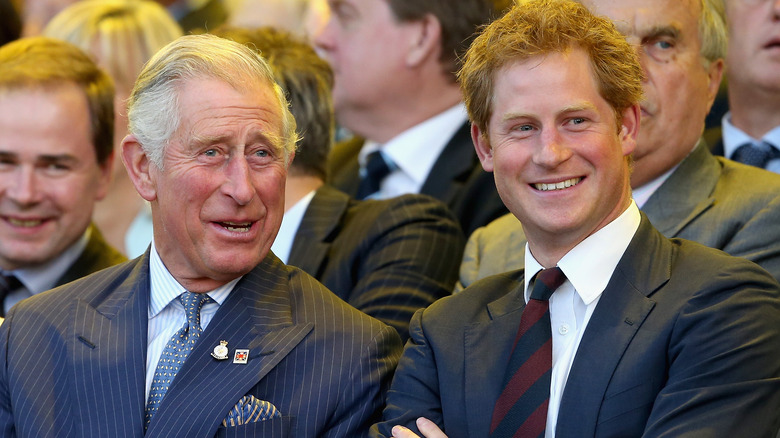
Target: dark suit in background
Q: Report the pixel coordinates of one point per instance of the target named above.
(97, 255)
(714, 201)
(456, 178)
(76, 358)
(671, 309)
(387, 258)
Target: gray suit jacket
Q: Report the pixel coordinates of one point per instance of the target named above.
(684, 342)
(74, 359)
(711, 200)
(387, 258)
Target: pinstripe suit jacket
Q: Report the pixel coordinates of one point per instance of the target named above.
(387, 258)
(457, 179)
(711, 200)
(74, 360)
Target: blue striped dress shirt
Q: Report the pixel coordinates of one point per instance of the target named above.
(166, 313)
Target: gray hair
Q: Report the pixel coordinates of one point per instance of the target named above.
(152, 108)
(713, 33)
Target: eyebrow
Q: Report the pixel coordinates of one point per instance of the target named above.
(662, 31)
(585, 106)
(47, 158)
(255, 137)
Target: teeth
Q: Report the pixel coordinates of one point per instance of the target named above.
(558, 185)
(237, 227)
(25, 223)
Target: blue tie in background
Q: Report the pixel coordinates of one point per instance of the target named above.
(176, 351)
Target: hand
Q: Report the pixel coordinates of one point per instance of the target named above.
(427, 427)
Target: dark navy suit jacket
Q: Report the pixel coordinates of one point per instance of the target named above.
(684, 342)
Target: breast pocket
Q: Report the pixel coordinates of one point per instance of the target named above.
(273, 428)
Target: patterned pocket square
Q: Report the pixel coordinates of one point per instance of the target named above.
(249, 410)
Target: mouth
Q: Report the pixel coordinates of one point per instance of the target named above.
(547, 187)
(24, 223)
(772, 44)
(236, 227)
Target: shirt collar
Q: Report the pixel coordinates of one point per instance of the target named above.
(415, 150)
(590, 265)
(734, 137)
(291, 221)
(43, 277)
(164, 288)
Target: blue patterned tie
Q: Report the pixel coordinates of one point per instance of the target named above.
(756, 155)
(176, 351)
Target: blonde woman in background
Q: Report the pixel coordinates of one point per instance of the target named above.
(121, 35)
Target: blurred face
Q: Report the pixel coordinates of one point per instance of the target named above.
(678, 89)
(557, 157)
(365, 46)
(754, 43)
(218, 202)
(49, 175)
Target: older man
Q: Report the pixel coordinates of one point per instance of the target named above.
(394, 64)
(208, 332)
(386, 257)
(684, 190)
(56, 128)
(611, 330)
(751, 130)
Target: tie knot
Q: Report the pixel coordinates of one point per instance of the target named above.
(192, 303)
(756, 155)
(377, 168)
(547, 281)
(9, 282)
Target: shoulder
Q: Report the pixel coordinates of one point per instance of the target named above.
(747, 182)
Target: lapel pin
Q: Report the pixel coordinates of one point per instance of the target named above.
(241, 356)
(220, 351)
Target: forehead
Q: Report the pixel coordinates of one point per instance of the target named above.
(46, 120)
(638, 18)
(212, 104)
(546, 83)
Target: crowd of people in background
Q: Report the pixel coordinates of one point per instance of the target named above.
(390, 218)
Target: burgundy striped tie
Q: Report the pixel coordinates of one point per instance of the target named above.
(521, 409)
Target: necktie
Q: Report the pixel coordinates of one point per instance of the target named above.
(521, 408)
(8, 283)
(176, 351)
(756, 155)
(376, 170)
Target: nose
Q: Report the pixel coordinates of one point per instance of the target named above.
(551, 152)
(22, 186)
(323, 36)
(238, 182)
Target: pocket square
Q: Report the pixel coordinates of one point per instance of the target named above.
(249, 410)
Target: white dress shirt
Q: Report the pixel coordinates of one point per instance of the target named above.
(290, 223)
(588, 268)
(734, 137)
(414, 152)
(166, 313)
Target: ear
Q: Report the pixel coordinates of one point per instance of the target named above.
(629, 128)
(715, 74)
(104, 180)
(482, 146)
(138, 168)
(424, 40)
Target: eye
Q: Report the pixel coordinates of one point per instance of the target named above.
(578, 120)
(663, 44)
(210, 152)
(262, 153)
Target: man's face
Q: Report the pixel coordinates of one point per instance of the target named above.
(678, 89)
(559, 162)
(754, 44)
(218, 202)
(49, 174)
(366, 47)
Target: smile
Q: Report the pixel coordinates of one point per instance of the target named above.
(557, 186)
(237, 227)
(25, 223)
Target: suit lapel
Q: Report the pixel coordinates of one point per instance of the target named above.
(343, 166)
(452, 168)
(255, 316)
(686, 194)
(489, 339)
(623, 307)
(108, 356)
(313, 238)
